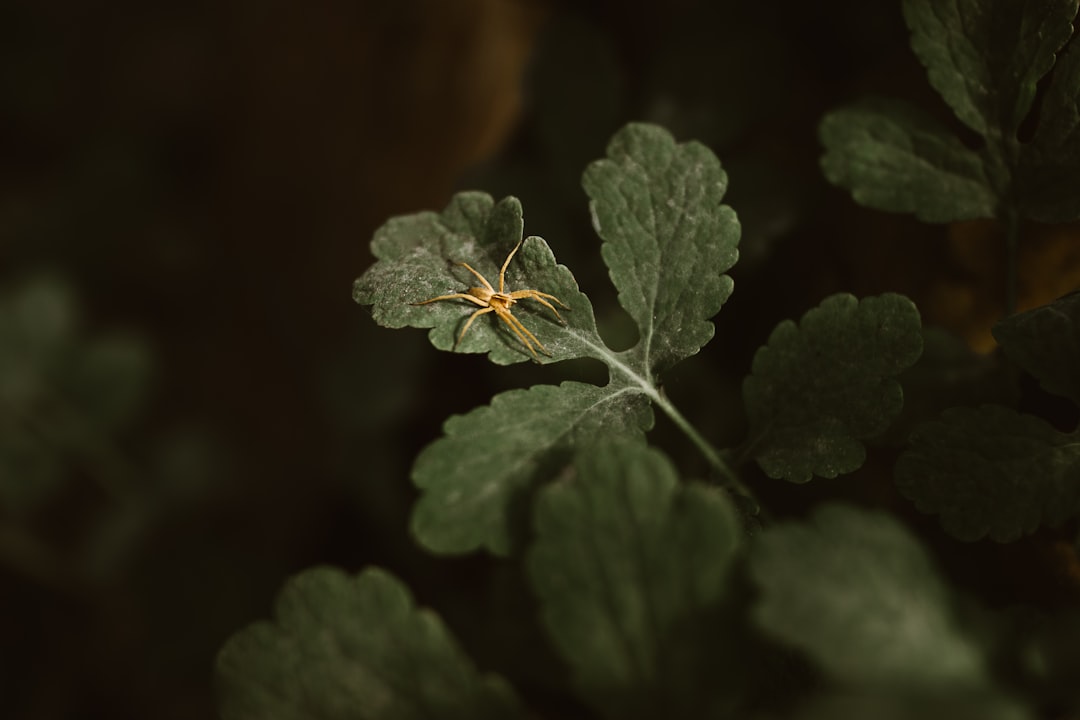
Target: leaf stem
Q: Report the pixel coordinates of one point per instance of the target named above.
(729, 479)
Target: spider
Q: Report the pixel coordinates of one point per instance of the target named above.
(499, 302)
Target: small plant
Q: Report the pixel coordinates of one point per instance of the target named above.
(663, 596)
(499, 302)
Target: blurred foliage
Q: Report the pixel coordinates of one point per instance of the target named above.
(197, 409)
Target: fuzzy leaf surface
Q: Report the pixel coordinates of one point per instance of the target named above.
(985, 56)
(1045, 341)
(418, 258)
(345, 647)
(479, 475)
(991, 471)
(857, 593)
(628, 565)
(892, 157)
(668, 239)
(817, 389)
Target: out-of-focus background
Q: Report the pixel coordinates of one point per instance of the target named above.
(191, 406)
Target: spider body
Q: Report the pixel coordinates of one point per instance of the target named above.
(490, 300)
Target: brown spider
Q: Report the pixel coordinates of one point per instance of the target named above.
(499, 302)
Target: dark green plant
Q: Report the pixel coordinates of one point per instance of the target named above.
(664, 596)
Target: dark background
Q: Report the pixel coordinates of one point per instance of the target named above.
(187, 191)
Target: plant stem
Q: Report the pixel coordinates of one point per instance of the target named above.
(729, 478)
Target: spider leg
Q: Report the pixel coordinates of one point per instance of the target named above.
(506, 263)
(537, 294)
(454, 296)
(521, 331)
(469, 322)
(480, 277)
(540, 298)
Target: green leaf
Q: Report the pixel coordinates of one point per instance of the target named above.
(949, 374)
(62, 396)
(961, 704)
(418, 260)
(1050, 166)
(478, 477)
(985, 56)
(348, 647)
(1046, 645)
(1045, 342)
(819, 388)
(109, 378)
(860, 596)
(893, 157)
(629, 565)
(992, 471)
(668, 240)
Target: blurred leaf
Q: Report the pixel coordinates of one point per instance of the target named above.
(1050, 182)
(667, 238)
(950, 374)
(1048, 651)
(960, 705)
(860, 596)
(62, 397)
(477, 477)
(985, 56)
(109, 378)
(628, 564)
(1045, 342)
(353, 648)
(37, 327)
(992, 471)
(819, 388)
(892, 157)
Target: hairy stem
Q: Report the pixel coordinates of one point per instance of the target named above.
(729, 479)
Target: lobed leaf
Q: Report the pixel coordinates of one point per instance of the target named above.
(991, 471)
(477, 477)
(860, 596)
(353, 648)
(892, 157)
(629, 565)
(1045, 342)
(668, 239)
(948, 374)
(1049, 173)
(820, 387)
(985, 57)
(418, 258)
